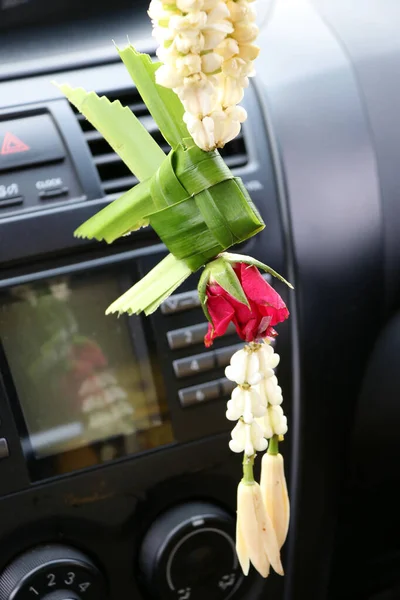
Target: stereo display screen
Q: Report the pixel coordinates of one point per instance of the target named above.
(83, 380)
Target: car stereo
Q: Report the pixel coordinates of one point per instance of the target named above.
(115, 472)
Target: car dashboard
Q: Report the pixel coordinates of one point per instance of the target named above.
(319, 156)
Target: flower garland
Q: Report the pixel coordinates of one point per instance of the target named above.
(199, 209)
(208, 52)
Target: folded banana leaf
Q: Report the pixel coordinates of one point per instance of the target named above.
(190, 197)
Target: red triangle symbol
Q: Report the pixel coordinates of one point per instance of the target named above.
(12, 144)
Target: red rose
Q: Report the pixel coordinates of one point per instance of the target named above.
(266, 307)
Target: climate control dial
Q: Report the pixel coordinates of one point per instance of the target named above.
(52, 572)
(189, 554)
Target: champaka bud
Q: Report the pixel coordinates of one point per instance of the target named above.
(256, 539)
(275, 495)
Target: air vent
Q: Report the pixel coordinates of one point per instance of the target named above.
(115, 176)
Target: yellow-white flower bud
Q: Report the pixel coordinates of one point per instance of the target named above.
(228, 48)
(187, 65)
(256, 539)
(210, 4)
(219, 15)
(212, 38)
(189, 5)
(241, 11)
(245, 33)
(248, 52)
(211, 62)
(158, 13)
(193, 43)
(275, 495)
(198, 95)
(231, 90)
(192, 22)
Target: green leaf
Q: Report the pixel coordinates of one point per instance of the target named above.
(126, 214)
(201, 288)
(222, 272)
(154, 288)
(249, 260)
(121, 129)
(162, 103)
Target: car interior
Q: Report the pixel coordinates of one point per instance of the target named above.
(140, 502)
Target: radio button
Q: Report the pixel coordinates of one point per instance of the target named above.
(4, 451)
(199, 393)
(53, 193)
(185, 367)
(187, 336)
(180, 302)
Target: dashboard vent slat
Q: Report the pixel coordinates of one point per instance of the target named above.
(115, 176)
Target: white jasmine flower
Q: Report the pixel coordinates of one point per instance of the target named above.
(168, 77)
(256, 539)
(265, 423)
(244, 368)
(275, 495)
(278, 420)
(201, 130)
(162, 34)
(246, 403)
(247, 438)
(268, 360)
(227, 124)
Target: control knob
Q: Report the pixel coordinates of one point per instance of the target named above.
(189, 554)
(52, 572)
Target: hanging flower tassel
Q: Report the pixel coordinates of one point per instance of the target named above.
(232, 290)
(256, 539)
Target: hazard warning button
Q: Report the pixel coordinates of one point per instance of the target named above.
(29, 141)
